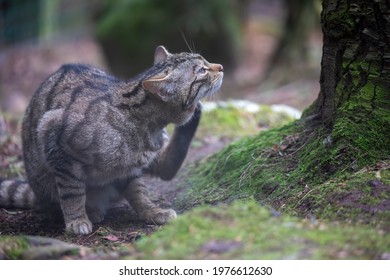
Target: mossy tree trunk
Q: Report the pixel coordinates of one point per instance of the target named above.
(353, 105)
(356, 58)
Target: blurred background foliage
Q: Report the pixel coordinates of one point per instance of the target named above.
(259, 42)
(129, 30)
(42, 20)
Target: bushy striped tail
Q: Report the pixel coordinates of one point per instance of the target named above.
(16, 194)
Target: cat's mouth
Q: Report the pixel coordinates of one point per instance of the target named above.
(211, 89)
(216, 83)
(206, 90)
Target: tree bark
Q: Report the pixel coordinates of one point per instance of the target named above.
(356, 59)
(353, 106)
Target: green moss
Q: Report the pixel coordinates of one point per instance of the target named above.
(12, 247)
(246, 167)
(361, 123)
(360, 198)
(244, 230)
(36, 248)
(344, 150)
(231, 122)
(352, 143)
(228, 122)
(341, 21)
(362, 149)
(298, 171)
(311, 109)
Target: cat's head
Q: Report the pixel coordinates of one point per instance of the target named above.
(182, 79)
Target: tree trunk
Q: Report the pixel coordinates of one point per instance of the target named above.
(353, 105)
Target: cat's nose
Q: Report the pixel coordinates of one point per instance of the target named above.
(217, 67)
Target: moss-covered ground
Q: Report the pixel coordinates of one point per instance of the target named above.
(11, 247)
(246, 230)
(300, 171)
(337, 186)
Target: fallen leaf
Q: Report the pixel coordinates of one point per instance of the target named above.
(111, 237)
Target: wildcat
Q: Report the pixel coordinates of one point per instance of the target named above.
(89, 137)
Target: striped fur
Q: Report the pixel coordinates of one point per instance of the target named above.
(89, 137)
(16, 194)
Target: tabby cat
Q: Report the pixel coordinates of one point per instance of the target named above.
(89, 137)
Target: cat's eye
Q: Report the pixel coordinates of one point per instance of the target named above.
(202, 71)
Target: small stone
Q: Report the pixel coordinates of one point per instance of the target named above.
(221, 246)
(376, 183)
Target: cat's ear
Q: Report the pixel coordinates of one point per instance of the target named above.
(159, 86)
(160, 54)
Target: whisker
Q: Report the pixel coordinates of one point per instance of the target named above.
(185, 40)
(193, 46)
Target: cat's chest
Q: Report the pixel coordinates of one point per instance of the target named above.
(128, 157)
(150, 146)
(144, 158)
(121, 165)
(138, 153)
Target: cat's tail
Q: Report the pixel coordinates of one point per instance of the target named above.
(16, 194)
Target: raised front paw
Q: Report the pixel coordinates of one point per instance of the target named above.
(158, 216)
(190, 127)
(79, 227)
(198, 110)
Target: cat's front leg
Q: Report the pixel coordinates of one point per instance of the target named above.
(172, 157)
(72, 198)
(137, 195)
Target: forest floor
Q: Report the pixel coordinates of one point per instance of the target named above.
(232, 228)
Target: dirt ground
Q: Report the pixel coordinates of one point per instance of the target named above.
(120, 225)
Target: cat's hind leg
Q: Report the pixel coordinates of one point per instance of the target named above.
(98, 201)
(67, 172)
(137, 195)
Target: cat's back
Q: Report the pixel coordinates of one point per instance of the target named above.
(64, 99)
(71, 89)
(70, 82)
